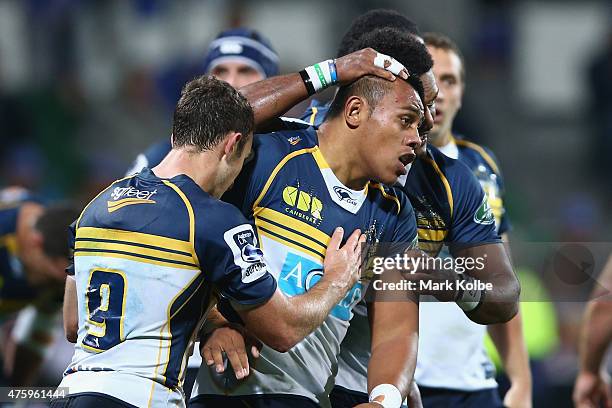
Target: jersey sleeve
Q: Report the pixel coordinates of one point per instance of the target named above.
(504, 225)
(405, 234)
(228, 250)
(473, 222)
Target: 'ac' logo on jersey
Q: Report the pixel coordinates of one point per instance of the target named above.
(302, 205)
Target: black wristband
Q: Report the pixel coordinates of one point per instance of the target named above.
(307, 82)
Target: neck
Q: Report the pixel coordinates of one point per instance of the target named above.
(443, 139)
(199, 166)
(341, 154)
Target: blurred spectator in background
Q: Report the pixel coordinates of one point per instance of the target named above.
(33, 256)
(239, 56)
(600, 81)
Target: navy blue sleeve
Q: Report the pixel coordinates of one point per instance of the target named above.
(473, 222)
(405, 235)
(504, 222)
(8, 220)
(228, 251)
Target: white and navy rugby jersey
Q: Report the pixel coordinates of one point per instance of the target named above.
(150, 257)
(451, 210)
(295, 202)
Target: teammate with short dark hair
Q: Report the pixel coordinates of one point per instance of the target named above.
(466, 373)
(300, 184)
(33, 255)
(238, 56)
(153, 252)
(444, 216)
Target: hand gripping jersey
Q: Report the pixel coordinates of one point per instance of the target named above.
(295, 201)
(150, 256)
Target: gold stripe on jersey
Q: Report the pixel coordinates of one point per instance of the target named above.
(168, 336)
(131, 237)
(431, 234)
(115, 205)
(386, 195)
(483, 153)
(315, 110)
(135, 258)
(191, 217)
(318, 156)
(129, 248)
(10, 242)
(278, 167)
(98, 195)
(287, 236)
(291, 235)
(449, 192)
(317, 236)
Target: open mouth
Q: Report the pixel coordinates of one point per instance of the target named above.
(407, 158)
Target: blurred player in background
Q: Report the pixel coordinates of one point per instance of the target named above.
(460, 370)
(593, 386)
(34, 253)
(155, 250)
(239, 56)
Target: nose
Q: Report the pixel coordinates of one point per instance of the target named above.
(413, 139)
(428, 122)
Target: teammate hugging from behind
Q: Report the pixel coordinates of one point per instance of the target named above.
(149, 264)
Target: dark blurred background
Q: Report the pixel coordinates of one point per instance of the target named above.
(87, 85)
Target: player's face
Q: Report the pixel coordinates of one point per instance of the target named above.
(447, 70)
(391, 135)
(431, 92)
(237, 74)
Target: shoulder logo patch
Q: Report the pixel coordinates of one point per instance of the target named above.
(484, 214)
(132, 196)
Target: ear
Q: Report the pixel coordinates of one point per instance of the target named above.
(231, 143)
(354, 110)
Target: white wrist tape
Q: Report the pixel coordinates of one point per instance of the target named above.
(322, 75)
(395, 67)
(387, 395)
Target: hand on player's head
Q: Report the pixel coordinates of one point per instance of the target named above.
(368, 62)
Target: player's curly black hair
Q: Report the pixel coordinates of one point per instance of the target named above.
(405, 48)
(373, 20)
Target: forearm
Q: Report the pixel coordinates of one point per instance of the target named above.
(273, 97)
(596, 335)
(285, 321)
(499, 303)
(510, 343)
(397, 370)
(394, 327)
(307, 312)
